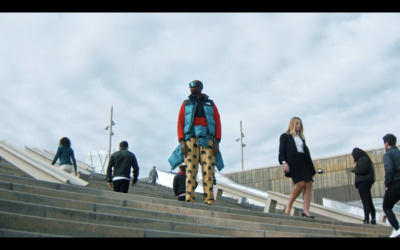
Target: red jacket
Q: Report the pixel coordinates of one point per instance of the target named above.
(199, 118)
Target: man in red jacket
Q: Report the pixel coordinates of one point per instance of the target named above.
(199, 135)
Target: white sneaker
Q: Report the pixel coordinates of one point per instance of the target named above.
(395, 233)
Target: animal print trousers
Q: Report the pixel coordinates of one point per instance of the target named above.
(206, 158)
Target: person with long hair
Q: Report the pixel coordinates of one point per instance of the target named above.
(364, 178)
(66, 154)
(295, 158)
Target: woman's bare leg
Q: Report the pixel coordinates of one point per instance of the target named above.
(307, 197)
(296, 191)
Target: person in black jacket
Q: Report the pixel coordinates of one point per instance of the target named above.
(391, 162)
(295, 158)
(122, 161)
(364, 178)
(179, 183)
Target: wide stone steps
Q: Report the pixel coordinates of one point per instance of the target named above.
(32, 208)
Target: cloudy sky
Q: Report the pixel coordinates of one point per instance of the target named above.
(60, 73)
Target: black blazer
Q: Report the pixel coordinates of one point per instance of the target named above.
(288, 153)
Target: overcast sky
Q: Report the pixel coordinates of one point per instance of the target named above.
(60, 73)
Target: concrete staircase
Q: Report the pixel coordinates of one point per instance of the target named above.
(33, 208)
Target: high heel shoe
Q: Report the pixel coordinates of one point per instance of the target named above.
(307, 216)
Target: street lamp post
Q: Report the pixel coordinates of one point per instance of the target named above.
(242, 145)
(111, 134)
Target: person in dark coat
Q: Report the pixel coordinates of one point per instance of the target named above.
(295, 158)
(364, 178)
(391, 162)
(179, 183)
(119, 167)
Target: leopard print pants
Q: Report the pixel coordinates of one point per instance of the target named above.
(206, 158)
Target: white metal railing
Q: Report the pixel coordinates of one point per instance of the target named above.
(273, 200)
(269, 200)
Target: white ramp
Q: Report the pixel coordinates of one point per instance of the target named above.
(79, 163)
(84, 170)
(36, 167)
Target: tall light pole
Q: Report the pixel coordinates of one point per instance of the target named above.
(242, 145)
(111, 134)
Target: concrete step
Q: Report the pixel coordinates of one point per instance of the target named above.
(144, 188)
(74, 192)
(9, 233)
(76, 204)
(29, 208)
(114, 215)
(50, 227)
(70, 200)
(129, 217)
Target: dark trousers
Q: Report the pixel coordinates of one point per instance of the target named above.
(364, 189)
(121, 186)
(392, 196)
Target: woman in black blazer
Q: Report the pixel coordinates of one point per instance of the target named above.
(295, 157)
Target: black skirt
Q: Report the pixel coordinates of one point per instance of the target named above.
(303, 170)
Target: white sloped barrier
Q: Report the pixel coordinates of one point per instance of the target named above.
(36, 167)
(48, 157)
